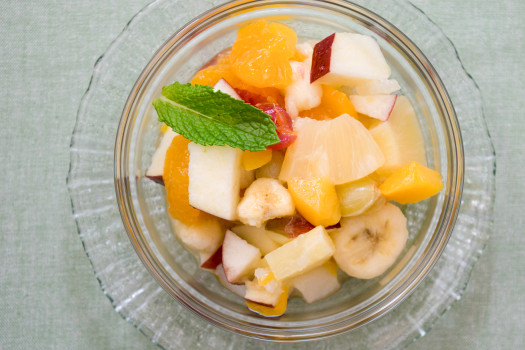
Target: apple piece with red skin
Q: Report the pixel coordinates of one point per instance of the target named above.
(156, 169)
(375, 106)
(223, 86)
(238, 289)
(347, 59)
(213, 260)
(239, 258)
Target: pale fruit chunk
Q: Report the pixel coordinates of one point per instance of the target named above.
(374, 106)
(300, 94)
(238, 289)
(348, 59)
(267, 295)
(246, 178)
(273, 168)
(357, 196)
(156, 168)
(265, 199)
(318, 283)
(239, 258)
(378, 87)
(340, 149)
(202, 239)
(301, 254)
(257, 237)
(214, 174)
(223, 86)
(367, 245)
(400, 138)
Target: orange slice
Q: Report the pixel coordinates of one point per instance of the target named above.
(411, 183)
(261, 53)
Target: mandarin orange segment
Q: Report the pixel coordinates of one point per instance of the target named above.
(333, 104)
(176, 182)
(316, 200)
(222, 69)
(411, 183)
(261, 53)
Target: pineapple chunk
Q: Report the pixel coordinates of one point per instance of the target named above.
(302, 254)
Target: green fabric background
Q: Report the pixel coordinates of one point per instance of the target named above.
(49, 297)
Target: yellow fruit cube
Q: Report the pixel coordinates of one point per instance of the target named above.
(254, 160)
(316, 200)
(301, 254)
(411, 183)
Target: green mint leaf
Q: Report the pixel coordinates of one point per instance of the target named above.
(209, 117)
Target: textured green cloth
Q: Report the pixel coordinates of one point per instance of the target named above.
(49, 297)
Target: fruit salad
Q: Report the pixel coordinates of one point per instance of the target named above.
(283, 159)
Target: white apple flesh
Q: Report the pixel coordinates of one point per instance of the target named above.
(318, 283)
(348, 59)
(223, 86)
(214, 174)
(378, 87)
(375, 106)
(257, 237)
(156, 169)
(239, 258)
(202, 239)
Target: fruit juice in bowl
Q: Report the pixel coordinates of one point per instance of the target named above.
(285, 161)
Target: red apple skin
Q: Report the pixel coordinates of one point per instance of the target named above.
(214, 260)
(157, 178)
(321, 58)
(259, 302)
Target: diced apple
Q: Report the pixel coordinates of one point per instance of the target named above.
(300, 94)
(202, 239)
(318, 283)
(213, 260)
(257, 237)
(156, 168)
(348, 59)
(214, 174)
(265, 199)
(247, 177)
(301, 254)
(400, 138)
(378, 87)
(223, 86)
(376, 106)
(238, 289)
(239, 258)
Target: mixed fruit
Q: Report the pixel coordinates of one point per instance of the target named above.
(282, 221)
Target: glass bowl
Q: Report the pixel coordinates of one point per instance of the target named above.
(400, 312)
(142, 204)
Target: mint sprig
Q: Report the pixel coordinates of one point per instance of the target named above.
(209, 117)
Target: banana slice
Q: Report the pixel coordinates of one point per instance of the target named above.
(265, 199)
(367, 245)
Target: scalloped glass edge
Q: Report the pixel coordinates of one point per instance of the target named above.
(76, 186)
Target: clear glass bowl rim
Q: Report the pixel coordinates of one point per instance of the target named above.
(295, 331)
